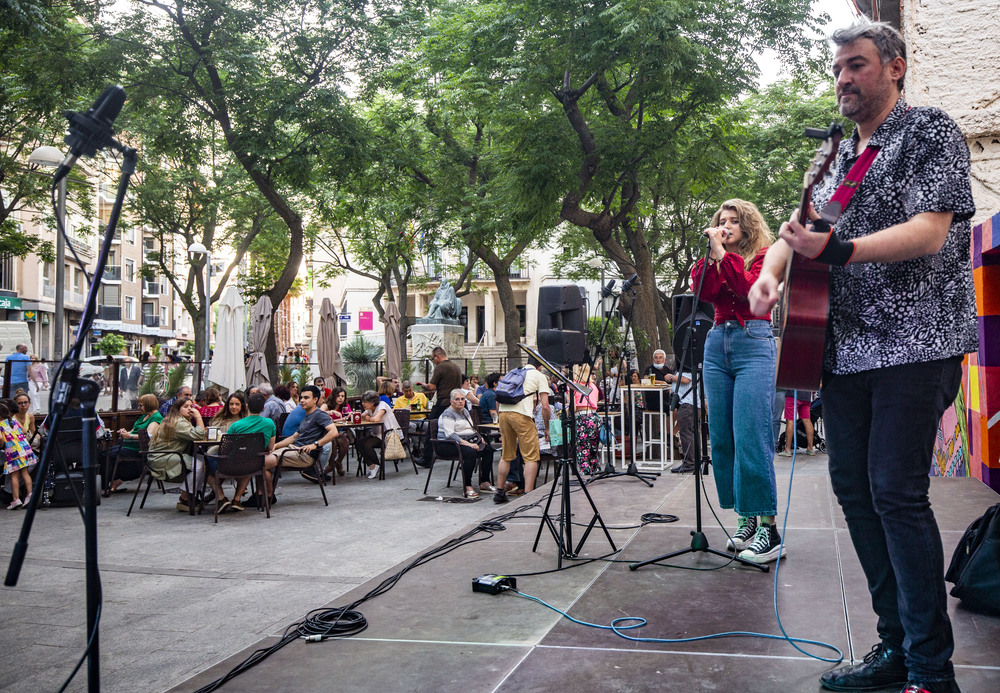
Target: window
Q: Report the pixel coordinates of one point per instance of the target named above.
(129, 270)
(47, 273)
(130, 235)
(130, 307)
(163, 317)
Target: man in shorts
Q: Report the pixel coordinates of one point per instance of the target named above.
(315, 432)
(517, 428)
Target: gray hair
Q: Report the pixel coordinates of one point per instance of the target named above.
(660, 351)
(456, 393)
(371, 397)
(406, 384)
(438, 351)
(888, 41)
(265, 389)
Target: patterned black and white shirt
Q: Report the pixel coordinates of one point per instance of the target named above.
(889, 314)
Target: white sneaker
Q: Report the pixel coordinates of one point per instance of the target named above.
(373, 472)
(784, 453)
(14, 504)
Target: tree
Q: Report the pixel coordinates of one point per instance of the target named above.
(49, 66)
(111, 344)
(270, 76)
(600, 94)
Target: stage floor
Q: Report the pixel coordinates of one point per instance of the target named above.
(431, 632)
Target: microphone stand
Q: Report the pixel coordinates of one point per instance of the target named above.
(562, 531)
(69, 385)
(699, 542)
(632, 470)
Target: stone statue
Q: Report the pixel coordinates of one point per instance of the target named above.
(445, 306)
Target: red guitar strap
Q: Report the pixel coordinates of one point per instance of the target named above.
(842, 197)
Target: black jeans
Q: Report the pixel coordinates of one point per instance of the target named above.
(685, 428)
(368, 450)
(880, 427)
(469, 459)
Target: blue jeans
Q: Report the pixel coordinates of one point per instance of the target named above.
(739, 370)
(880, 431)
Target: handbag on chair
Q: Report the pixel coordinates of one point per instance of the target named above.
(394, 449)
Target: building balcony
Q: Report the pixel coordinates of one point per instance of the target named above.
(151, 289)
(112, 274)
(149, 246)
(49, 291)
(109, 313)
(151, 320)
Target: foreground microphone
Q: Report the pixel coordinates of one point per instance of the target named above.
(91, 131)
(630, 282)
(606, 290)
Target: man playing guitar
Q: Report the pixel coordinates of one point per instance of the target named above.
(902, 314)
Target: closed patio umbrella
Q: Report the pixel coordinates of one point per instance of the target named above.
(260, 325)
(227, 368)
(393, 348)
(328, 344)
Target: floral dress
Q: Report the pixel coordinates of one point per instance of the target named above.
(18, 454)
(588, 431)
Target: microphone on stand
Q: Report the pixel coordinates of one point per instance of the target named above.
(91, 131)
(630, 282)
(607, 290)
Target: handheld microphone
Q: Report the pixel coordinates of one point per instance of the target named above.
(91, 131)
(630, 282)
(607, 290)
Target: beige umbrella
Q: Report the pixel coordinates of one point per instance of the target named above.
(393, 348)
(226, 369)
(328, 344)
(260, 325)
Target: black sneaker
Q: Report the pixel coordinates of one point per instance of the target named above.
(500, 496)
(745, 530)
(881, 668)
(257, 501)
(765, 547)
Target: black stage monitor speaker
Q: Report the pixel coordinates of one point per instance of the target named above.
(562, 323)
(703, 319)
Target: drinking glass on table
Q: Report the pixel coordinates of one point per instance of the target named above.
(496, 416)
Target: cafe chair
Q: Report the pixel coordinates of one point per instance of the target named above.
(316, 469)
(403, 419)
(242, 455)
(147, 476)
(447, 450)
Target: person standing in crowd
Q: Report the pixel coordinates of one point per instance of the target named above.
(19, 361)
(18, 456)
(902, 316)
(588, 423)
(517, 430)
(739, 365)
(686, 428)
(38, 380)
(797, 407)
(128, 382)
(447, 376)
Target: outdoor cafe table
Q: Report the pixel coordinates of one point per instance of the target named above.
(665, 442)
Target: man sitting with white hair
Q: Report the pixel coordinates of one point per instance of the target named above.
(273, 407)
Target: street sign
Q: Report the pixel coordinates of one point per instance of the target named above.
(345, 317)
(10, 303)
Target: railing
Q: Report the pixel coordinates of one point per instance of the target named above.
(150, 288)
(149, 247)
(151, 320)
(75, 297)
(7, 282)
(112, 273)
(48, 291)
(109, 313)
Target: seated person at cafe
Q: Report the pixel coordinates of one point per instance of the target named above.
(170, 451)
(418, 405)
(488, 399)
(375, 410)
(274, 407)
(182, 392)
(254, 423)
(320, 382)
(313, 436)
(455, 424)
(128, 448)
(213, 403)
(386, 392)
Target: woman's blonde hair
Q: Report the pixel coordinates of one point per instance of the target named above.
(756, 234)
(581, 373)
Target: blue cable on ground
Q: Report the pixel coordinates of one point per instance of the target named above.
(616, 625)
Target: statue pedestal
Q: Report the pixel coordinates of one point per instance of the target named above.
(425, 336)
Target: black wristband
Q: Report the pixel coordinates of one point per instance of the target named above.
(836, 251)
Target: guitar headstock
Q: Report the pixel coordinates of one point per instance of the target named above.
(820, 164)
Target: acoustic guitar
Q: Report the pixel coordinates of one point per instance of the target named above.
(805, 299)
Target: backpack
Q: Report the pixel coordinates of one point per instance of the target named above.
(975, 566)
(510, 389)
